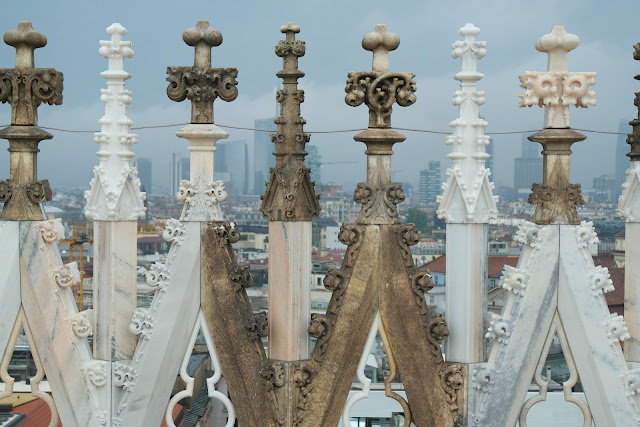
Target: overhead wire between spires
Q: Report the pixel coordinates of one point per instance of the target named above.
(328, 131)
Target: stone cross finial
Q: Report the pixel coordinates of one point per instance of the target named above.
(202, 84)
(25, 88)
(379, 89)
(380, 42)
(556, 88)
(116, 49)
(290, 194)
(470, 51)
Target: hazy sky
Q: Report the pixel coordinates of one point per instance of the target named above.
(333, 32)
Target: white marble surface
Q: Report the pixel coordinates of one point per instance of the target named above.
(9, 280)
(632, 291)
(114, 287)
(584, 316)
(201, 194)
(80, 386)
(289, 289)
(528, 316)
(466, 297)
(173, 312)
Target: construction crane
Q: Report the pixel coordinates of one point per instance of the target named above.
(81, 234)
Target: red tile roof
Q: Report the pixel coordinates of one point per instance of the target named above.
(615, 298)
(496, 264)
(37, 413)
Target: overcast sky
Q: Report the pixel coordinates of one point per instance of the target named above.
(333, 32)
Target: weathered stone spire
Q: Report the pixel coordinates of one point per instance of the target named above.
(557, 89)
(202, 84)
(25, 88)
(115, 188)
(379, 89)
(634, 138)
(290, 194)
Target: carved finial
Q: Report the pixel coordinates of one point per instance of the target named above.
(469, 50)
(115, 188)
(26, 40)
(634, 138)
(556, 88)
(467, 176)
(378, 88)
(380, 42)
(557, 44)
(290, 194)
(25, 88)
(116, 50)
(202, 84)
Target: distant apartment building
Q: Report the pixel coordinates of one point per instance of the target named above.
(605, 189)
(527, 168)
(430, 183)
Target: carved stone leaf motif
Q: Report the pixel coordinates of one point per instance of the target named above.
(40, 85)
(436, 331)
(296, 47)
(142, 323)
(320, 328)
(556, 203)
(174, 231)
(67, 275)
(499, 329)
(95, 373)
(80, 325)
(290, 195)
(452, 380)
(379, 92)
(227, 233)
(257, 326)
(616, 329)
(51, 230)
(302, 377)
(378, 202)
(6, 190)
(274, 374)
(158, 276)
(202, 85)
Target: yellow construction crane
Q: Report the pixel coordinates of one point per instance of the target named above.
(81, 234)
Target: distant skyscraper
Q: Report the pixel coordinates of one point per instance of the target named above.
(622, 161)
(527, 168)
(314, 162)
(144, 172)
(178, 170)
(263, 157)
(232, 159)
(430, 183)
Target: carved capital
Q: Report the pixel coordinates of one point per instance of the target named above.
(26, 89)
(379, 92)
(379, 203)
(556, 205)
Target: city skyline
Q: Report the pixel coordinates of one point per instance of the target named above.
(424, 49)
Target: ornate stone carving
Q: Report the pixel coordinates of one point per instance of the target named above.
(80, 325)
(407, 236)
(142, 323)
(241, 277)
(200, 200)
(320, 328)
(124, 376)
(290, 194)
(499, 329)
(158, 276)
(200, 83)
(436, 331)
(378, 202)
(529, 234)
(586, 235)
(51, 230)
(257, 326)
(25, 88)
(303, 374)
(274, 374)
(481, 379)
(631, 380)
(452, 380)
(115, 188)
(174, 231)
(421, 283)
(352, 236)
(600, 281)
(95, 373)
(514, 280)
(557, 89)
(556, 203)
(227, 233)
(616, 329)
(67, 275)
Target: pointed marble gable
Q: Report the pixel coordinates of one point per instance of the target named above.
(458, 204)
(115, 188)
(629, 202)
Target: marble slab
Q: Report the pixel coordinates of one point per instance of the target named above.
(9, 280)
